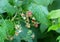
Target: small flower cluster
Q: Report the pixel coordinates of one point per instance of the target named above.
(29, 18)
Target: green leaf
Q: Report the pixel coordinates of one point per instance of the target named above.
(54, 14)
(17, 38)
(11, 2)
(58, 20)
(54, 27)
(40, 13)
(51, 1)
(5, 6)
(17, 3)
(9, 9)
(58, 38)
(1, 10)
(58, 30)
(25, 4)
(43, 28)
(30, 40)
(43, 2)
(10, 27)
(3, 30)
(3, 3)
(55, 5)
(6, 28)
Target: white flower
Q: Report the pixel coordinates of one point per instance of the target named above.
(33, 36)
(24, 18)
(17, 26)
(19, 31)
(33, 18)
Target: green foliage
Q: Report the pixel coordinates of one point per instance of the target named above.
(40, 2)
(58, 38)
(29, 20)
(54, 27)
(6, 7)
(6, 28)
(39, 13)
(54, 14)
(43, 27)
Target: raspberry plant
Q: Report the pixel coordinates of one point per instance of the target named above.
(29, 20)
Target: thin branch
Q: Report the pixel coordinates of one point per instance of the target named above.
(14, 17)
